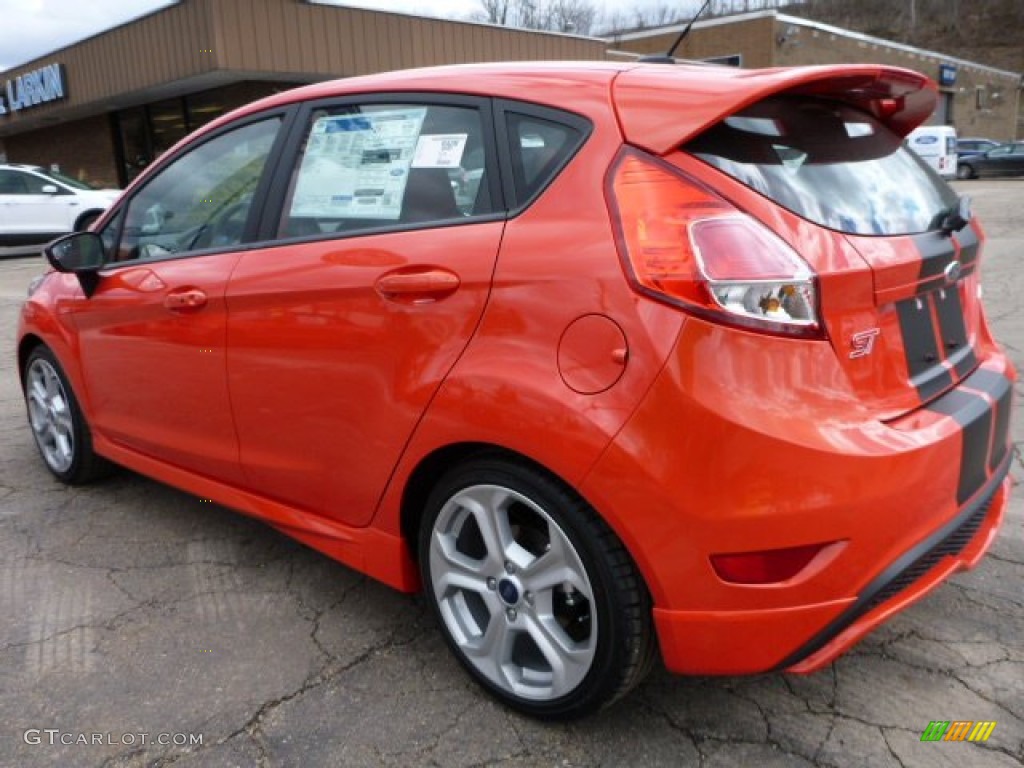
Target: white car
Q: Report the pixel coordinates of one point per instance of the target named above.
(37, 205)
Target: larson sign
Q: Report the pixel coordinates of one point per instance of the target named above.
(34, 88)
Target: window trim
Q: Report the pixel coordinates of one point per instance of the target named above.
(273, 210)
(285, 114)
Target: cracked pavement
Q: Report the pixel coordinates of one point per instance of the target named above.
(130, 607)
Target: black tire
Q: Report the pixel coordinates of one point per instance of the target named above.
(595, 624)
(964, 171)
(58, 426)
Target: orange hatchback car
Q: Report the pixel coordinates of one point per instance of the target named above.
(606, 358)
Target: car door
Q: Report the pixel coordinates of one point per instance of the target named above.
(28, 209)
(1015, 162)
(372, 280)
(152, 335)
(995, 162)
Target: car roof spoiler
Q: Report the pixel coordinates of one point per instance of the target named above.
(661, 107)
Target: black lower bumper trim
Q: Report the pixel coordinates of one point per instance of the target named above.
(911, 566)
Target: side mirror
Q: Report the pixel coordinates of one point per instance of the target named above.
(49, 189)
(80, 253)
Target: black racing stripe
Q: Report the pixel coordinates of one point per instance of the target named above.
(973, 463)
(1000, 435)
(937, 251)
(953, 331)
(918, 335)
(927, 374)
(933, 382)
(963, 361)
(1000, 390)
(992, 383)
(973, 413)
(969, 245)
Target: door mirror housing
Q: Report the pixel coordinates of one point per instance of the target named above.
(49, 189)
(80, 253)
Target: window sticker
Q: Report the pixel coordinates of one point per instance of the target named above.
(356, 166)
(440, 150)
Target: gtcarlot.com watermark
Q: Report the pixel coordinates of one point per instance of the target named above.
(55, 736)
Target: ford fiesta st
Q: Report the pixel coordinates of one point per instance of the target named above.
(610, 360)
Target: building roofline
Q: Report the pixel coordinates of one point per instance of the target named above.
(817, 25)
(50, 55)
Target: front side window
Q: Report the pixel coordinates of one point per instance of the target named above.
(201, 200)
(367, 166)
(830, 163)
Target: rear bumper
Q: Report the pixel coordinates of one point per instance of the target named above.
(956, 546)
(728, 459)
(738, 642)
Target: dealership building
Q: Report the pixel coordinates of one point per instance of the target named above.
(103, 108)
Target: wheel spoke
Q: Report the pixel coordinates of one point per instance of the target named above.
(37, 391)
(52, 385)
(458, 571)
(569, 661)
(62, 445)
(559, 565)
(487, 505)
(495, 644)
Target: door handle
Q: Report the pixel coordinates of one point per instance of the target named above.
(418, 285)
(191, 298)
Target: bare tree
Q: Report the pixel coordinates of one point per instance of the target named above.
(495, 11)
(578, 16)
(571, 16)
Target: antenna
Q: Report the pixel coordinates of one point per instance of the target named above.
(667, 58)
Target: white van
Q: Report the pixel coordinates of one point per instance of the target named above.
(936, 144)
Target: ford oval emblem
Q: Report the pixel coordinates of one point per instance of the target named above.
(952, 272)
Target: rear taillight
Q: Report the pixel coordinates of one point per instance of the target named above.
(682, 243)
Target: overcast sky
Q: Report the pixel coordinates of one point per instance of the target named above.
(33, 28)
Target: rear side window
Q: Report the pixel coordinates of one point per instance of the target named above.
(382, 165)
(539, 149)
(830, 163)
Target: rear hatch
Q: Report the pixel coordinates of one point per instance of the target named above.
(816, 155)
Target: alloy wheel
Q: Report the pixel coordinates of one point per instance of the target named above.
(513, 592)
(50, 415)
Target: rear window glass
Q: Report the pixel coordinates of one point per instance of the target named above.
(830, 163)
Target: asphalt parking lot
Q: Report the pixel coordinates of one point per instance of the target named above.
(134, 614)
